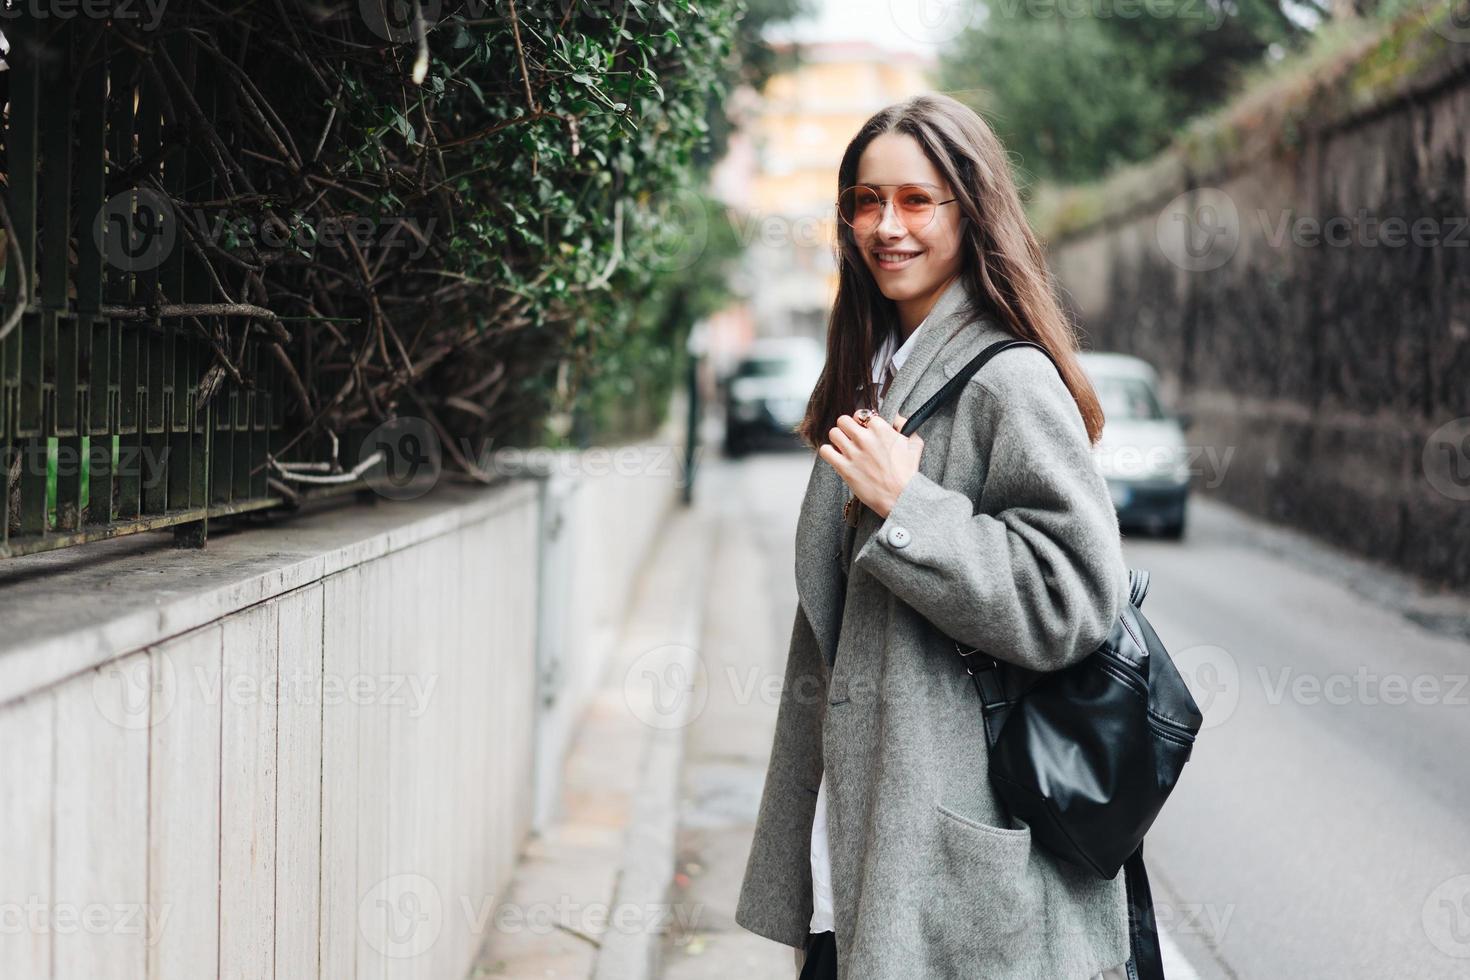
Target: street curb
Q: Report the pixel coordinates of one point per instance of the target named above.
(646, 871)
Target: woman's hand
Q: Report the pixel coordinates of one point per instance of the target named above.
(876, 462)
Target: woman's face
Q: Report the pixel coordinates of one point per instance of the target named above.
(911, 265)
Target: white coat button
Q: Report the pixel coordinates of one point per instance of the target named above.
(898, 536)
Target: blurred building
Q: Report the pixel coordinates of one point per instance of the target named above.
(779, 179)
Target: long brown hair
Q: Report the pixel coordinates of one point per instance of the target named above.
(1002, 263)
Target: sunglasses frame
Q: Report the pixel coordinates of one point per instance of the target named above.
(884, 202)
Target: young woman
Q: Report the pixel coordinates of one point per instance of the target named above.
(880, 850)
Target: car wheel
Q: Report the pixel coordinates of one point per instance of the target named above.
(1172, 531)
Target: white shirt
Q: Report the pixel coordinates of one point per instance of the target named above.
(820, 854)
(885, 351)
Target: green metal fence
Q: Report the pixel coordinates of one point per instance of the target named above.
(115, 414)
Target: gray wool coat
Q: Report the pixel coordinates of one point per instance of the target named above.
(1005, 539)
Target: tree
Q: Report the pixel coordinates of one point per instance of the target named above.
(1076, 88)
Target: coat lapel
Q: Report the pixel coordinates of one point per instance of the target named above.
(822, 537)
(819, 578)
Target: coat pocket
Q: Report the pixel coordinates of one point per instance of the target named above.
(987, 884)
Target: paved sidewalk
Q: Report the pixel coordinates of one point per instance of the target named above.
(589, 897)
(664, 777)
(749, 606)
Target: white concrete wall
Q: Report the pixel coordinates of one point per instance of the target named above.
(606, 511)
(322, 763)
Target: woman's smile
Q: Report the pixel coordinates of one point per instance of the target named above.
(892, 260)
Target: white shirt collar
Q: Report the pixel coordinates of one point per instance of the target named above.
(885, 351)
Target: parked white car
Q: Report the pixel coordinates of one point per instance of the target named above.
(1142, 452)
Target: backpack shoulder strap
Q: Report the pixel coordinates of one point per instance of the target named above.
(1137, 585)
(953, 385)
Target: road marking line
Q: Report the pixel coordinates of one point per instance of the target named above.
(1176, 967)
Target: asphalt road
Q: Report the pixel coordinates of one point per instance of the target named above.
(1322, 827)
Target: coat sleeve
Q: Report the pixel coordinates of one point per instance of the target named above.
(1034, 576)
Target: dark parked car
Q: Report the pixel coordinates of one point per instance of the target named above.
(767, 392)
(1142, 452)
